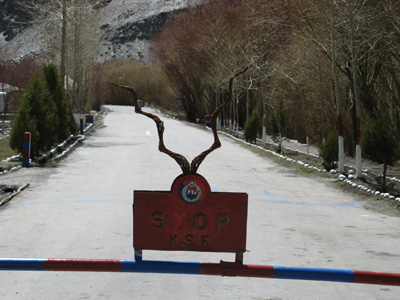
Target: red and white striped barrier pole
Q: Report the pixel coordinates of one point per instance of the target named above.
(197, 268)
(26, 152)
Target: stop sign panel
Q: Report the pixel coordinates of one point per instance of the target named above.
(190, 218)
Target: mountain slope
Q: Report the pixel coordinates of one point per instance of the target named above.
(125, 25)
(12, 19)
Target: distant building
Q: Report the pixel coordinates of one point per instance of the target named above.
(4, 90)
(179, 103)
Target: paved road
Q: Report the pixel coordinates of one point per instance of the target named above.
(82, 209)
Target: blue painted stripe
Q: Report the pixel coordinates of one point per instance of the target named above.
(161, 267)
(74, 201)
(26, 145)
(25, 161)
(21, 264)
(314, 274)
(303, 203)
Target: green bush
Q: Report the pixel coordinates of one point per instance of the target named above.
(252, 128)
(330, 151)
(380, 143)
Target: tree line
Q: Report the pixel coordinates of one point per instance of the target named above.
(150, 82)
(316, 67)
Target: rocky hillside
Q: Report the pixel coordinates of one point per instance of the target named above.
(125, 25)
(12, 19)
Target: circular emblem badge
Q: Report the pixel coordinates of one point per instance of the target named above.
(190, 192)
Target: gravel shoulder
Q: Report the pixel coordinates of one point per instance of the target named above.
(296, 152)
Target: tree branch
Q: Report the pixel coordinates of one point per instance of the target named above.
(180, 159)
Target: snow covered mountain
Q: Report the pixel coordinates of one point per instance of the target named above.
(126, 26)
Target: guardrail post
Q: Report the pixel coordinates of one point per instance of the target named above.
(81, 125)
(26, 153)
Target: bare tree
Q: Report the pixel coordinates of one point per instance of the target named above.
(82, 46)
(59, 18)
(263, 34)
(337, 90)
(355, 91)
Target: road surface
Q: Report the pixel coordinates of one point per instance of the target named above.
(83, 209)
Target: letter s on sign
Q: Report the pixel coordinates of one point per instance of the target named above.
(158, 220)
(189, 240)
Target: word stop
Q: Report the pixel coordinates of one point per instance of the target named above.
(190, 217)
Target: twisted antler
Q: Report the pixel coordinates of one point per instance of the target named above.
(180, 159)
(213, 124)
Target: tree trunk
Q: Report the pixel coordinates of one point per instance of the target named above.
(356, 94)
(384, 177)
(5, 109)
(305, 120)
(264, 112)
(64, 81)
(337, 93)
(322, 103)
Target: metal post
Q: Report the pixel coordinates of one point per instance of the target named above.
(26, 153)
(81, 125)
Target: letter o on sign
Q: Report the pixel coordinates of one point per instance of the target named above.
(200, 221)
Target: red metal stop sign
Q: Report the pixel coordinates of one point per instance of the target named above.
(190, 217)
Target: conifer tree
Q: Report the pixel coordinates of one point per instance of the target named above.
(279, 122)
(329, 151)
(24, 122)
(252, 127)
(36, 114)
(380, 143)
(65, 125)
(46, 118)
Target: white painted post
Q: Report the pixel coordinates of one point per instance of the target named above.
(264, 136)
(341, 154)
